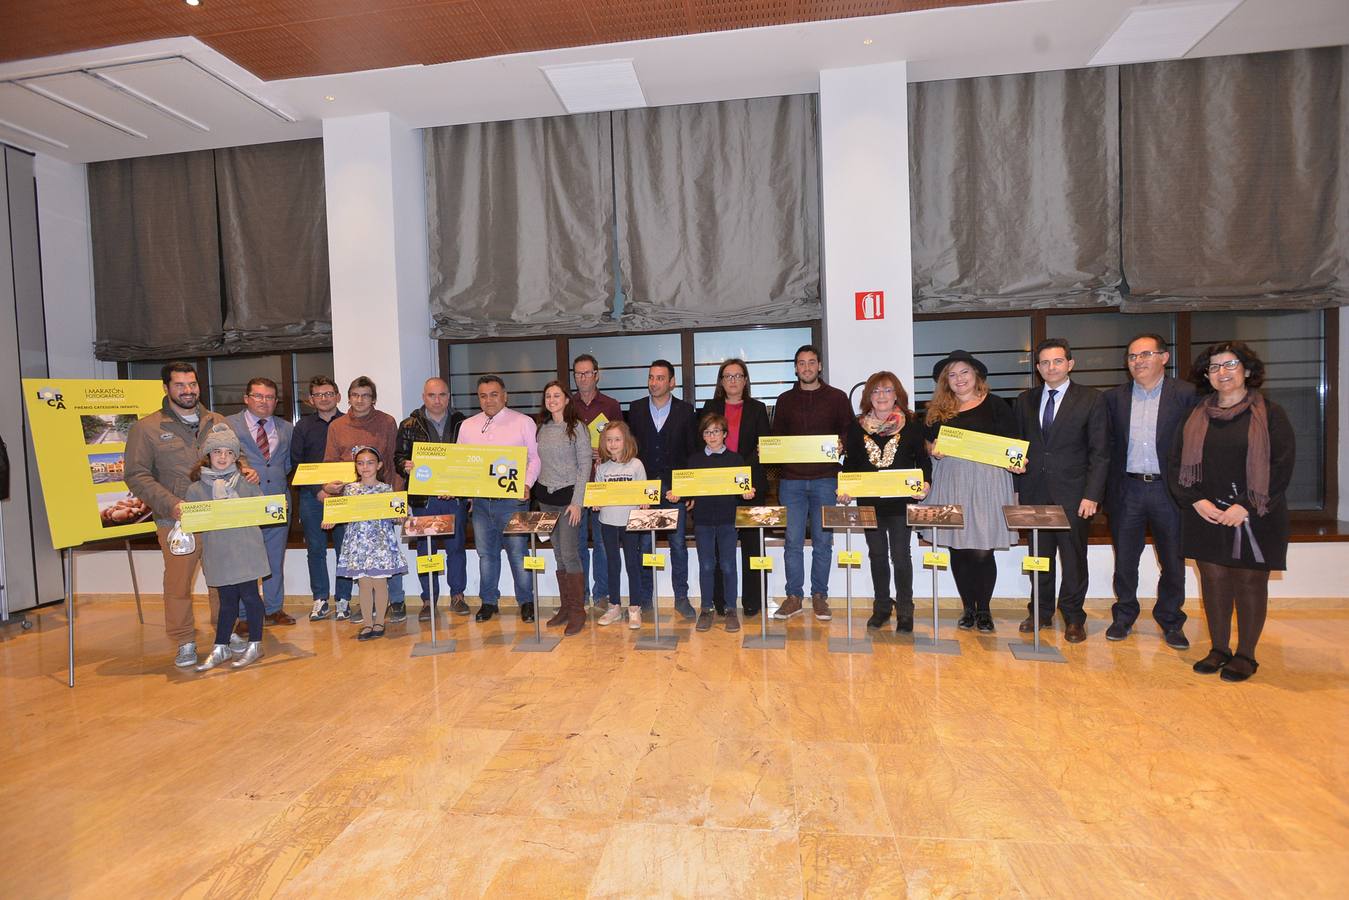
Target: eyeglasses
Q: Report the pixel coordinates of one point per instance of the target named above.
(1052, 363)
(1145, 355)
(271, 398)
(733, 376)
(361, 396)
(875, 391)
(590, 373)
(1230, 365)
(714, 431)
(323, 395)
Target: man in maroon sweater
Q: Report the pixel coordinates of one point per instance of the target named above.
(810, 407)
(590, 404)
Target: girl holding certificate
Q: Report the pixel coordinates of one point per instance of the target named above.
(886, 436)
(962, 400)
(619, 462)
(232, 559)
(370, 549)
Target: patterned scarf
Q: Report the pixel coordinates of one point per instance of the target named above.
(882, 428)
(1257, 444)
(222, 483)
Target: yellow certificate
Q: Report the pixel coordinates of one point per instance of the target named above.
(710, 482)
(976, 446)
(236, 512)
(364, 507)
(889, 483)
(595, 428)
(622, 493)
(322, 473)
(467, 470)
(799, 448)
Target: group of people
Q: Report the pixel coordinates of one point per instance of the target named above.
(1204, 465)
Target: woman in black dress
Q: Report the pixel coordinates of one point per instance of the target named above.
(887, 436)
(1230, 474)
(747, 420)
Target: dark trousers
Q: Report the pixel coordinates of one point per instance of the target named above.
(316, 544)
(1142, 505)
(888, 545)
(231, 596)
(679, 553)
(751, 587)
(456, 566)
(716, 563)
(1067, 552)
(623, 547)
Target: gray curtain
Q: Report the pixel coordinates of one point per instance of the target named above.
(520, 227)
(156, 257)
(1015, 191)
(718, 213)
(1236, 175)
(274, 247)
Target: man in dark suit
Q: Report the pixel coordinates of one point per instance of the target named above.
(265, 441)
(1143, 416)
(664, 427)
(1065, 466)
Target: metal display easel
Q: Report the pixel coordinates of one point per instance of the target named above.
(848, 519)
(1035, 519)
(534, 524)
(650, 520)
(762, 518)
(435, 647)
(932, 518)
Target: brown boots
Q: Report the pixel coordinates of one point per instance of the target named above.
(571, 610)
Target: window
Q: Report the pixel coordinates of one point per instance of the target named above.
(524, 366)
(223, 378)
(625, 359)
(1002, 343)
(767, 353)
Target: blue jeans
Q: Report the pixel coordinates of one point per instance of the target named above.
(620, 543)
(316, 544)
(456, 565)
(1143, 505)
(803, 499)
(590, 529)
(679, 554)
(490, 516)
(716, 543)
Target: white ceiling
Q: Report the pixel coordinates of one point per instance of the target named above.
(175, 95)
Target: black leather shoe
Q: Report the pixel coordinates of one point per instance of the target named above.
(903, 624)
(1239, 668)
(485, 612)
(984, 622)
(878, 619)
(1177, 640)
(1213, 663)
(1118, 632)
(749, 612)
(1075, 633)
(966, 621)
(526, 612)
(1025, 626)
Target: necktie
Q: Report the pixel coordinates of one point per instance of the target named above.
(1047, 420)
(261, 438)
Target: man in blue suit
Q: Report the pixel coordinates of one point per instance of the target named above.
(1143, 417)
(265, 440)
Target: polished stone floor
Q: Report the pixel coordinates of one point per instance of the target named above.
(334, 768)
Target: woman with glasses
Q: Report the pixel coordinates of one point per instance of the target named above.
(887, 436)
(1230, 472)
(747, 421)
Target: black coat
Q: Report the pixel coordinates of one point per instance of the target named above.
(754, 424)
(667, 449)
(1071, 466)
(1178, 398)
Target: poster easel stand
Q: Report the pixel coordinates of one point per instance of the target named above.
(952, 517)
(637, 522)
(754, 517)
(540, 643)
(434, 647)
(1034, 518)
(848, 520)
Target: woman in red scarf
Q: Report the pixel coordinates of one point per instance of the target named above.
(1230, 473)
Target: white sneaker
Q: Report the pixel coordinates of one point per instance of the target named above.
(320, 610)
(634, 617)
(343, 610)
(187, 655)
(613, 615)
(237, 644)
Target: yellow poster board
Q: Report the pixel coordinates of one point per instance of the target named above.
(364, 507)
(976, 446)
(467, 470)
(79, 432)
(622, 493)
(236, 512)
(710, 482)
(887, 483)
(595, 427)
(323, 473)
(799, 448)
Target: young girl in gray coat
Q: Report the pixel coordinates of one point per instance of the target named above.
(232, 559)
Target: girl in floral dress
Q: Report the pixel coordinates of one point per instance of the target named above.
(370, 549)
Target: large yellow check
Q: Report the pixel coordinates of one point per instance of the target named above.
(622, 493)
(887, 483)
(322, 473)
(799, 448)
(710, 482)
(976, 446)
(236, 512)
(467, 470)
(595, 427)
(364, 507)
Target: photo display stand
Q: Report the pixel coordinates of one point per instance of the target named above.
(848, 519)
(762, 518)
(654, 521)
(534, 524)
(434, 647)
(68, 576)
(933, 518)
(1034, 519)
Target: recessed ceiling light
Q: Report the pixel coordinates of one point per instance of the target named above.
(329, 97)
(868, 42)
(194, 2)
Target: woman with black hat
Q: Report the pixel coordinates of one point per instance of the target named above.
(962, 400)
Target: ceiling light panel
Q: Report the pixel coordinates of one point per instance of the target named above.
(1151, 33)
(597, 86)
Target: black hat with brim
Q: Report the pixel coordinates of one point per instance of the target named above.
(959, 356)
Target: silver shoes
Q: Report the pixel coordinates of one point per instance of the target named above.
(252, 654)
(187, 655)
(219, 654)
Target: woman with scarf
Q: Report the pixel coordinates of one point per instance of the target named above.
(1230, 474)
(887, 436)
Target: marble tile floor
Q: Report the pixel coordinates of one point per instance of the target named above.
(335, 768)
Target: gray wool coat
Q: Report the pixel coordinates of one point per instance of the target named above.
(231, 555)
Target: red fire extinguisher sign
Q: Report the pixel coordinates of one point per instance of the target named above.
(870, 304)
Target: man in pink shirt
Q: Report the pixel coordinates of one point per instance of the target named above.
(500, 426)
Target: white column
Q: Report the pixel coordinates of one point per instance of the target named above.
(373, 171)
(864, 152)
